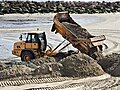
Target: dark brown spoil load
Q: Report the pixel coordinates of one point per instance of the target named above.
(111, 64)
(77, 30)
(80, 65)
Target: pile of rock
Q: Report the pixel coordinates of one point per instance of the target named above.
(7, 7)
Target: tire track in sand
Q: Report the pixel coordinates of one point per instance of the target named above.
(112, 41)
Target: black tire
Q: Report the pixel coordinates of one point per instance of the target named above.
(27, 56)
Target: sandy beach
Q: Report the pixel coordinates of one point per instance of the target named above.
(104, 24)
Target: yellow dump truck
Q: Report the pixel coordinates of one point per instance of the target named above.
(79, 37)
(35, 43)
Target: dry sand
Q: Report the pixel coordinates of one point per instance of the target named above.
(109, 26)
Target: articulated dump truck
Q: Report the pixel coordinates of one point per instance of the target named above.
(33, 44)
(79, 37)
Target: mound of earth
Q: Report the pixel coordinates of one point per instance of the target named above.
(75, 65)
(37, 68)
(80, 65)
(15, 71)
(50, 69)
(46, 66)
(2, 66)
(43, 60)
(111, 64)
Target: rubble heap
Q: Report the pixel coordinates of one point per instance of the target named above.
(8, 7)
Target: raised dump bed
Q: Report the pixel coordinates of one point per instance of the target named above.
(79, 37)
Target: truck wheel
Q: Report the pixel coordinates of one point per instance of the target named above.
(26, 56)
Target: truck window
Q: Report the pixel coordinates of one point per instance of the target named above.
(28, 38)
(34, 39)
(24, 36)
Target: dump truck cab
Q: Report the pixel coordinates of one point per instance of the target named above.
(31, 45)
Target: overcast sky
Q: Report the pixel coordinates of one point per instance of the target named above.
(63, 0)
